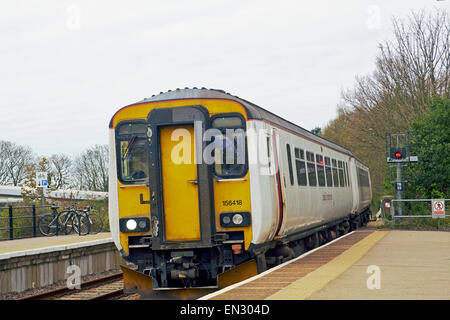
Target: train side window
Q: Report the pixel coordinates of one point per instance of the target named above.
(300, 167)
(364, 178)
(345, 173)
(320, 170)
(311, 168)
(341, 173)
(328, 172)
(348, 177)
(291, 174)
(335, 173)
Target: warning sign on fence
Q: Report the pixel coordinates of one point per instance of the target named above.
(438, 208)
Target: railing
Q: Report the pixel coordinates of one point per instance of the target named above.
(20, 222)
(415, 208)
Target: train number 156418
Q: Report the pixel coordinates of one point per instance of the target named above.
(227, 203)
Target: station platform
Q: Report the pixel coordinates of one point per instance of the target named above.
(38, 262)
(362, 265)
(28, 246)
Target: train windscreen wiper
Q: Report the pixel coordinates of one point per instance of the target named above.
(129, 146)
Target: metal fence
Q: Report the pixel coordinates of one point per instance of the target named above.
(416, 209)
(20, 222)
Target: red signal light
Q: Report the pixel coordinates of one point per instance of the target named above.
(397, 153)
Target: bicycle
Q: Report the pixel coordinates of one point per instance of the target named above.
(95, 222)
(68, 220)
(49, 223)
(80, 223)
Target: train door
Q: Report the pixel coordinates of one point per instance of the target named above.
(180, 183)
(354, 184)
(280, 179)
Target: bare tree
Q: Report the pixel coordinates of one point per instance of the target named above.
(4, 176)
(410, 71)
(91, 169)
(13, 160)
(60, 166)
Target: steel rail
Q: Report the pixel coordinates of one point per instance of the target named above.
(66, 291)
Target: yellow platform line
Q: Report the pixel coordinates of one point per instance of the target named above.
(319, 278)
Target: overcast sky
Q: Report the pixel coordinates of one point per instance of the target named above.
(67, 66)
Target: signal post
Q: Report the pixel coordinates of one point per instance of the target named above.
(397, 147)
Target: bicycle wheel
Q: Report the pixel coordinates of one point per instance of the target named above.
(96, 223)
(48, 224)
(80, 224)
(65, 222)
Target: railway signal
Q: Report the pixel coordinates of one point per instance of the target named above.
(398, 153)
(397, 146)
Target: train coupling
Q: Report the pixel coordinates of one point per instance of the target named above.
(184, 274)
(183, 265)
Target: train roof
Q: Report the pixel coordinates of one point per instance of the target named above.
(253, 112)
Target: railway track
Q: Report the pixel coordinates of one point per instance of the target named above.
(105, 288)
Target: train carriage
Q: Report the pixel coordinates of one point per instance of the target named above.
(204, 184)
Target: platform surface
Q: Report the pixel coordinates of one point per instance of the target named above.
(409, 264)
(28, 246)
(413, 265)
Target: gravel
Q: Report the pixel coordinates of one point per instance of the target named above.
(57, 285)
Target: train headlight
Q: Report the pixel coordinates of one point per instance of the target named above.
(226, 220)
(131, 224)
(235, 219)
(134, 224)
(142, 224)
(238, 219)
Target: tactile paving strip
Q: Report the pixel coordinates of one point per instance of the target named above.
(272, 282)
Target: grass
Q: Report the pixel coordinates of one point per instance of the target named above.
(416, 224)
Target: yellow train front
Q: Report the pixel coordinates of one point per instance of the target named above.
(177, 216)
(206, 189)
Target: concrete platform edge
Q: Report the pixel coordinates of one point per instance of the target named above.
(21, 253)
(214, 294)
(319, 278)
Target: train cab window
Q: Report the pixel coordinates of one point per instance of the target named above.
(328, 172)
(229, 147)
(341, 173)
(335, 173)
(311, 168)
(320, 170)
(133, 150)
(291, 174)
(300, 167)
(348, 177)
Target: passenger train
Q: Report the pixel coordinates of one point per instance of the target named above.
(203, 183)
